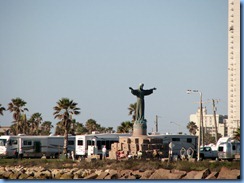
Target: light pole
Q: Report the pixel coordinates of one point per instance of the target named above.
(177, 125)
(201, 123)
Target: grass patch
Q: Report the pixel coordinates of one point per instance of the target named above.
(120, 165)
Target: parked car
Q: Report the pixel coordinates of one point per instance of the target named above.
(207, 152)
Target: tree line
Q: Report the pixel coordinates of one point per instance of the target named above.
(64, 111)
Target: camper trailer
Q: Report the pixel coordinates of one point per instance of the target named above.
(180, 144)
(92, 144)
(228, 148)
(34, 146)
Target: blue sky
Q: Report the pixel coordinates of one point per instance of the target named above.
(93, 51)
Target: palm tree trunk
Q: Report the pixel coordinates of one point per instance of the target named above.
(65, 139)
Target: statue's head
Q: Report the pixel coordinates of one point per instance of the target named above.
(141, 86)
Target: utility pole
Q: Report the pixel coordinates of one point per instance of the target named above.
(156, 124)
(215, 121)
(200, 123)
(201, 120)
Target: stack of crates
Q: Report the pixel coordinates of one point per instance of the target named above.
(112, 155)
(114, 146)
(143, 147)
(126, 147)
(134, 148)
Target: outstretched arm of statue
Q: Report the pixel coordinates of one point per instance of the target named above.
(154, 88)
(134, 92)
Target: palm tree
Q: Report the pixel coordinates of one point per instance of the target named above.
(60, 128)
(46, 128)
(132, 111)
(16, 106)
(237, 134)
(34, 121)
(2, 109)
(80, 129)
(192, 127)
(208, 138)
(125, 127)
(24, 125)
(91, 125)
(13, 129)
(64, 110)
(109, 130)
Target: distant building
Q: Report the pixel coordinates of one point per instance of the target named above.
(208, 122)
(4, 130)
(233, 121)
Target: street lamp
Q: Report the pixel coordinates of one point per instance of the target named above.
(201, 122)
(176, 124)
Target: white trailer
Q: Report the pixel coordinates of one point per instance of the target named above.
(92, 144)
(34, 146)
(181, 145)
(228, 148)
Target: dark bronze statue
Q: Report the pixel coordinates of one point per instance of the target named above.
(140, 93)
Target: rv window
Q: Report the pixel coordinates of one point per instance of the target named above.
(27, 142)
(221, 149)
(2, 142)
(175, 139)
(108, 145)
(80, 143)
(90, 142)
(37, 146)
(99, 145)
(14, 142)
(189, 140)
(71, 142)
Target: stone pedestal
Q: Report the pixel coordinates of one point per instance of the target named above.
(140, 128)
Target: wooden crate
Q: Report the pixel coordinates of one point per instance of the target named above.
(134, 147)
(124, 140)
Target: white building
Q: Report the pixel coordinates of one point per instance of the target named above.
(233, 121)
(208, 122)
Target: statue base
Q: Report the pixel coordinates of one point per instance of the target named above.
(140, 127)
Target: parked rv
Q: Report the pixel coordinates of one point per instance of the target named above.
(228, 148)
(34, 146)
(92, 144)
(181, 144)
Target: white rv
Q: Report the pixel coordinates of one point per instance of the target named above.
(92, 144)
(228, 148)
(34, 146)
(178, 142)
